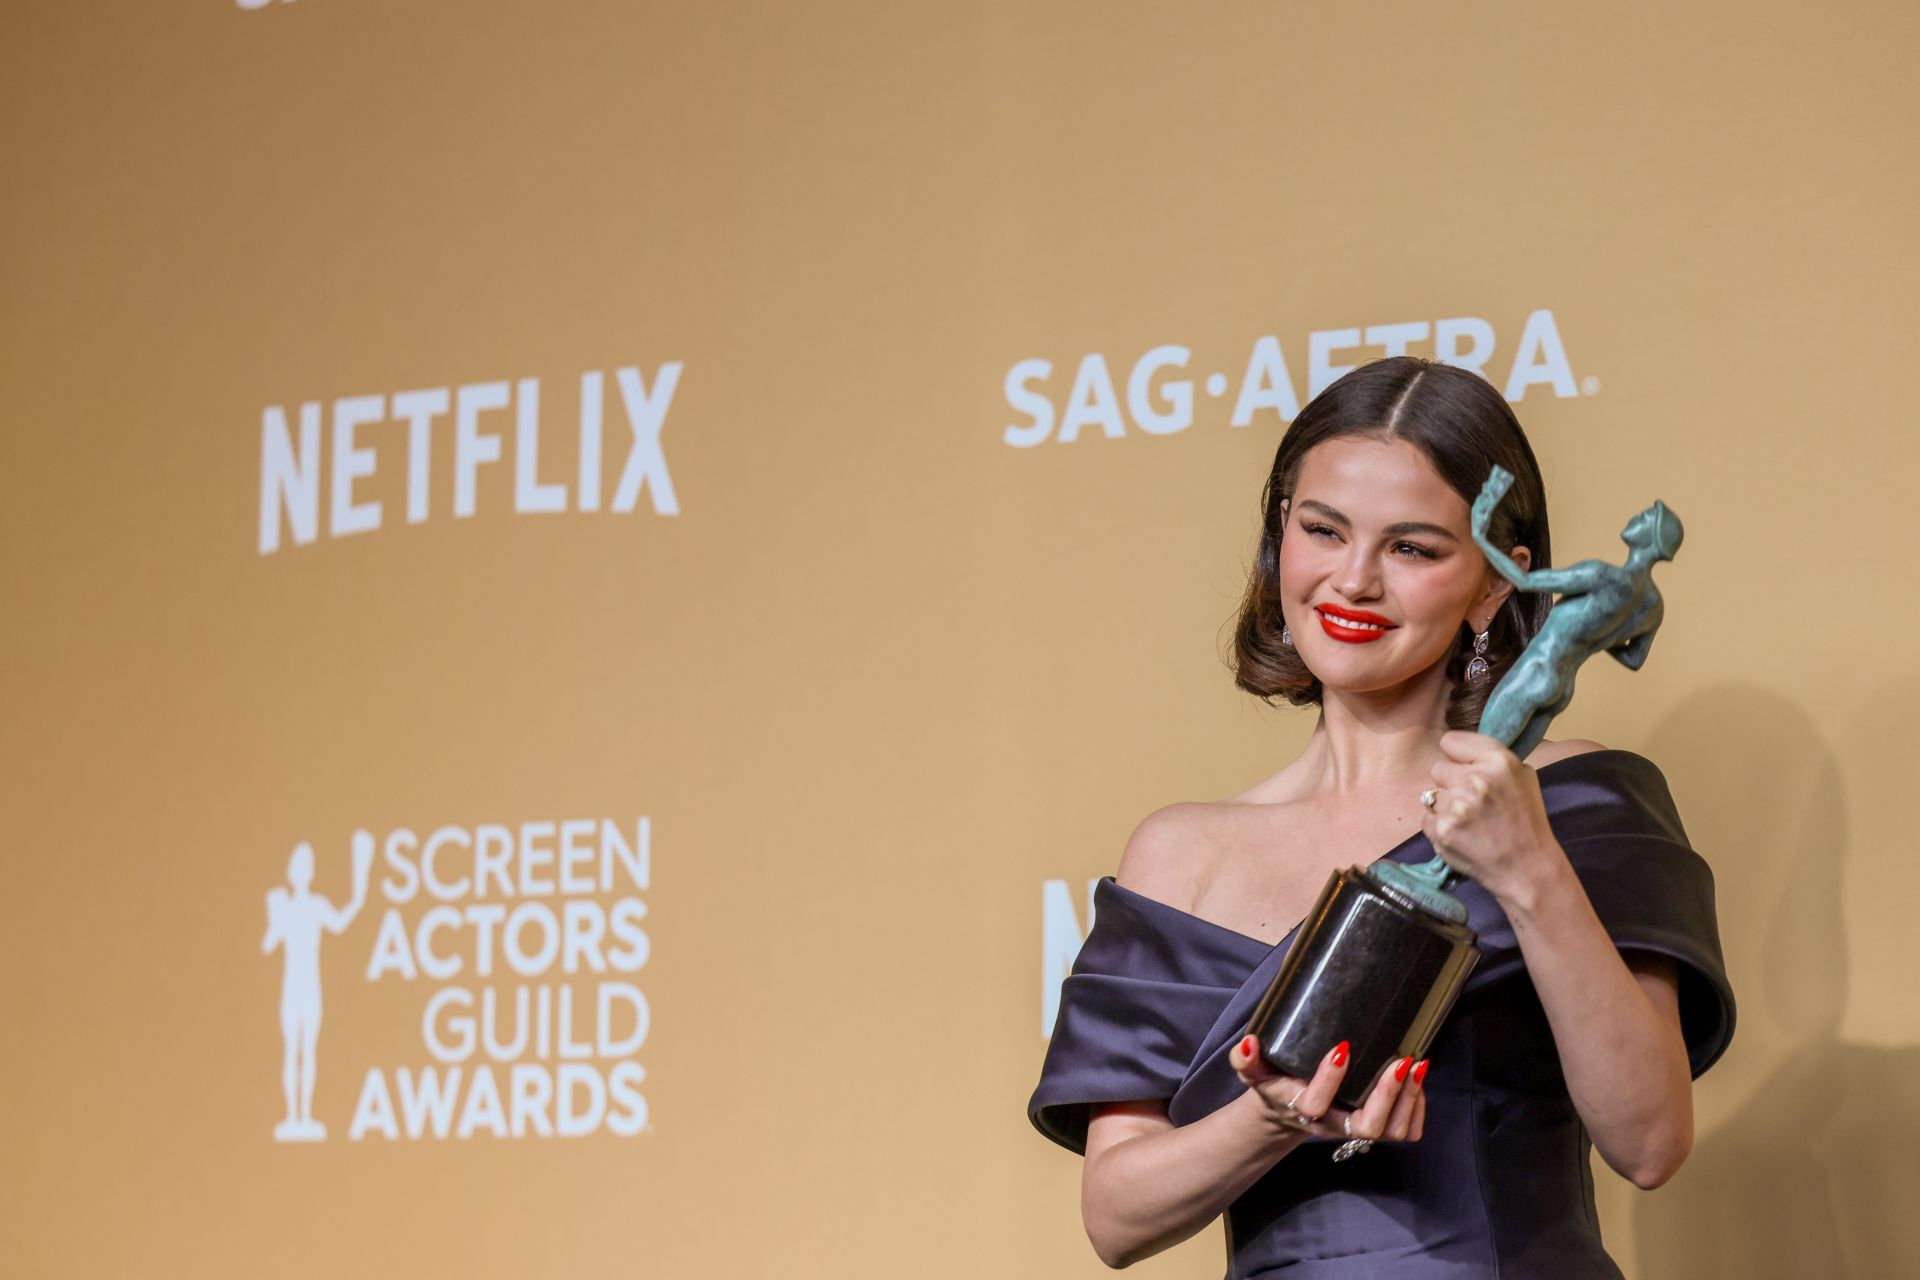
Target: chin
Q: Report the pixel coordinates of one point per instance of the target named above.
(1343, 679)
(1362, 686)
(1348, 673)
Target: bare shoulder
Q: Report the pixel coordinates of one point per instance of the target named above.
(1547, 752)
(1167, 855)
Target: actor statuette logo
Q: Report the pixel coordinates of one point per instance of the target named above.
(524, 943)
(297, 918)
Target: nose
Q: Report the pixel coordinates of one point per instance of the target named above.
(1359, 575)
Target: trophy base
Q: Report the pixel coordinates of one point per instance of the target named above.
(1369, 966)
(291, 1130)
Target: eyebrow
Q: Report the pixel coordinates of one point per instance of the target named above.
(1391, 531)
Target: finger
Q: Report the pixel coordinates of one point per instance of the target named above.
(1459, 744)
(1457, 804)
(1326, 1081)
(1400, 1120)
(1370, 1121)
(1418, 1129)
(1286, 1095)
(1279, 1094)
(1249, 1063)
(1460, 786)
(1440, 829)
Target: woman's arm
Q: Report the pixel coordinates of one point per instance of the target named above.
(1616, 1028)
(1616, 1024)
(1147, 1184)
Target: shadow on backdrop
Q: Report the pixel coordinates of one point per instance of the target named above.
(1810, 1169)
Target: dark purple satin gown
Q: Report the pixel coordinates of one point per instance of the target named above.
(1499, 1185)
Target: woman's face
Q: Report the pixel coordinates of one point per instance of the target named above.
(1378, 566)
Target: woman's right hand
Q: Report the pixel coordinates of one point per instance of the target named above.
(1395, 1109)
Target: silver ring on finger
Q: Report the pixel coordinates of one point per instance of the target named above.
(1294, 1117)
(1352, 1146)
(1428, 798)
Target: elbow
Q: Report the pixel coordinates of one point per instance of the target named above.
(1653, 1176)
(1108, 1238)
(1111, 1250)
(1656, 1167)
(1650, 1176)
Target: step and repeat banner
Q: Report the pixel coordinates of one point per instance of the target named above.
(587, 588)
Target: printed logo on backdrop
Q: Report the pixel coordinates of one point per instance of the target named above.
(523, 943)
(297, 919)
(1060, 940)
(327, 441)
(1159, 401)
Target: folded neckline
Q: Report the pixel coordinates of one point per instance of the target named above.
(1395, 853)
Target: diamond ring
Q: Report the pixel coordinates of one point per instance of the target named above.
(1352, 1146)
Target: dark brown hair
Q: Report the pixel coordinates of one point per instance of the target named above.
(1464, 427)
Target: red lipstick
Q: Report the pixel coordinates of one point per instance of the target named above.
(1333, 620)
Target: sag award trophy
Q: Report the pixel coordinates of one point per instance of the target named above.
(1384, 952)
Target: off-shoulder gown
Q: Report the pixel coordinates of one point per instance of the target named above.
(1500, 1184)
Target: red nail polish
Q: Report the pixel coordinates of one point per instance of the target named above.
(1420, 1072)
(1400, 1072)
(1340, 1054)
(1246, 1047)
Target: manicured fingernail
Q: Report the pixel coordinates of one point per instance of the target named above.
(1246, 1047)
(1400, 1072)
(1420, 1072)
(1340, 1054)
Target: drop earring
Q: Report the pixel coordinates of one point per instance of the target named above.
(1477, 666)
(1286, 636)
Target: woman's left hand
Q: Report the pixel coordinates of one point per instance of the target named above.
(1488, 820)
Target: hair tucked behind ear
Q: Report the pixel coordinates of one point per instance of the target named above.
(1465, 428)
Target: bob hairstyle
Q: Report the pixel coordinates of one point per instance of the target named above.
(1464, 427)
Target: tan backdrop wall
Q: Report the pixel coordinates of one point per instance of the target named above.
(829, 670)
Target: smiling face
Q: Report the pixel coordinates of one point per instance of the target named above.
(1378, 565)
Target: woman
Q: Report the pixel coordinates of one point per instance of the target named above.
(1601, 991)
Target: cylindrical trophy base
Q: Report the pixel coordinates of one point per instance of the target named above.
(1368, 967)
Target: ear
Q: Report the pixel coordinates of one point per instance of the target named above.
(1498, 589)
